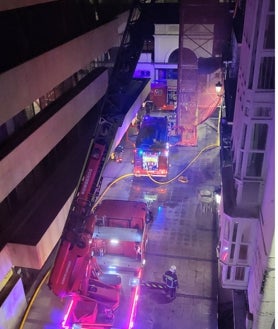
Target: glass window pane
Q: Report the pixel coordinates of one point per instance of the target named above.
(229, 272)
(243, 136)
(254, 164)
(239, 164)
(262, 111)
(246, 232)
(251, 192)
(239, 275)
(227, 230)
(259, 136)
(272, 5)
(235, 232)
(232, 251)
(269, 32)
(243, 252)
(266, 76)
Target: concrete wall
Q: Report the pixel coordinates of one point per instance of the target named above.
(166, 40)
(131, 115)
(35, 256)
(13, 307)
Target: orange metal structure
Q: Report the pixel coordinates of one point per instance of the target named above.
(197, 97)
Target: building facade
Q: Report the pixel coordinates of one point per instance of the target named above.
(56, 62)
(247, 216)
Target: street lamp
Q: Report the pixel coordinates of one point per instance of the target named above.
(218, 88)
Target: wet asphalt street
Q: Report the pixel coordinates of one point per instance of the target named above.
(183, 233)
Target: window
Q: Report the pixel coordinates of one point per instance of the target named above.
(165, 74)
(240, 273)
(272, 5)
(229, 273)
(266, 75)
(246, 233)
(227, 231)
(269, 32)
(232, 253)
(258, 140)
(262, 111)
(251, 192)
(148, 46)
(235, 232)
(243, 136)
(243, 253)
(239, 164)
(254, 164)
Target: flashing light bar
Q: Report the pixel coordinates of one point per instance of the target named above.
(135, 283)
(67, 315)
(114, 241)
(112, 267)
(134, 303)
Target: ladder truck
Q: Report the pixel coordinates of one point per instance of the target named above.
(94, 295)
(104, 280)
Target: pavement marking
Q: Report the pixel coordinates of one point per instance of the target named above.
(184, 257)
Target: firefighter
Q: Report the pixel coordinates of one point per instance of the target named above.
(138, 251)
(119, 153)
(171, 279)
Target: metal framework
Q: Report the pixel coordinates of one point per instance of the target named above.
(197, 97)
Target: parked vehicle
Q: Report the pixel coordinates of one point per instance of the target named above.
(101, 278)
(151, 154)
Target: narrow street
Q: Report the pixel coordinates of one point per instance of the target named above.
(183, 233)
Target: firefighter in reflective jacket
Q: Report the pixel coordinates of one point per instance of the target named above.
(171, 280)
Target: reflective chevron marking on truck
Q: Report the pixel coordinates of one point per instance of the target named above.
(154, 285)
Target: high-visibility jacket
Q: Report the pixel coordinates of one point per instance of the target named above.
(170, 279)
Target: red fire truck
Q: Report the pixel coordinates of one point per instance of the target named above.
(152, 147)
(97, 297)
(100, 279)
(121, 230)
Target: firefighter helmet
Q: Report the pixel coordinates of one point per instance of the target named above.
(173, 268)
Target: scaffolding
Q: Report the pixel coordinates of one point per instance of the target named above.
(197, 97)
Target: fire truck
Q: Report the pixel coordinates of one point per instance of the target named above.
(100, 279)
(101, 255)
(121, 229)
(152, 148)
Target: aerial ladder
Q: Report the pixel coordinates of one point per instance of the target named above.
(112, 114)
(74, 255)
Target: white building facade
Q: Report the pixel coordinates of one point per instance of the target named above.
(247, 218)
